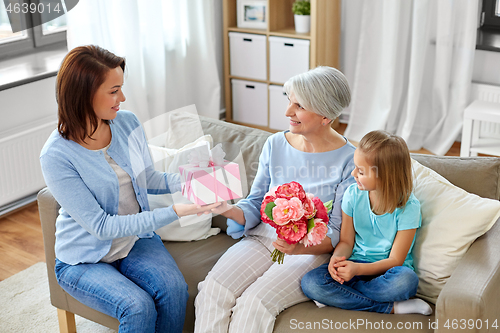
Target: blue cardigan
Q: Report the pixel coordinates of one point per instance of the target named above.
(86, 187)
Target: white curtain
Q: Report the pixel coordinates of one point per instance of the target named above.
(169, 46)
(412, 69)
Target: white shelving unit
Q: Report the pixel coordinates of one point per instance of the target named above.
(270, 56)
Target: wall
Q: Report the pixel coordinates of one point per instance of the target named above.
(28, 117)
(32, 102)
(486, 67)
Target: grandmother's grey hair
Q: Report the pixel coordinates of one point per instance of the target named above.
(322, 90)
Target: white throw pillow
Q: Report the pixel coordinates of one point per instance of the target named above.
(187, 228)
(168, 159)
(451, 220)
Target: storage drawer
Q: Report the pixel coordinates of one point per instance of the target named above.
(249, 102)
(278, 103)
(248, 55)
(288, 57)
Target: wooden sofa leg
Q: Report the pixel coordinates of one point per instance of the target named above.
(66, 321)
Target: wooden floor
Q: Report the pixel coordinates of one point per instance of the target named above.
(21, 240)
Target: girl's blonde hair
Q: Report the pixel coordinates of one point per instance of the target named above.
(390, 157)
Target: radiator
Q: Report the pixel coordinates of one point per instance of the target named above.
(487, 93)
(20, 171)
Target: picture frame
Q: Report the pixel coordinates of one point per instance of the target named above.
(252, 14)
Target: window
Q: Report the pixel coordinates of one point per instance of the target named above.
(490, 16)
(52, 32)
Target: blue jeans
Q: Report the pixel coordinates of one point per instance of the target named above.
(145, 291)
(368, 293)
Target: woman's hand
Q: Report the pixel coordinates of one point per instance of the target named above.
(191, 209)
(232, 212)
(346, 269)
(283, 246)
(224, 207)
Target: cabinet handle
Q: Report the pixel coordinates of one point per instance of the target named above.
(284, 94)
(289, 44)
(249, 86)
(247, 39)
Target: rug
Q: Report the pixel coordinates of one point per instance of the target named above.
(25, 305)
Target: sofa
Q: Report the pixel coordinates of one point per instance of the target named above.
(472, 292)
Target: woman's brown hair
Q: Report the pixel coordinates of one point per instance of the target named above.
(389, 156)
(82, 72)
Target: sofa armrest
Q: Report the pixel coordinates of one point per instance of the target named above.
(48, 209)
(473, 290)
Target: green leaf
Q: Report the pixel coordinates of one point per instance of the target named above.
(310, 225)
(301, 8)
(269, 210)
(328, 206)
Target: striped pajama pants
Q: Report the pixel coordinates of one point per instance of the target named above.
(246, 290)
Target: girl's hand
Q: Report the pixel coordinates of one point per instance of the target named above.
(333, 269)
(191, 209)
(283, 246)
(346, 270)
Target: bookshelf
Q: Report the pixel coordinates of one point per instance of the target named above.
(324, 41)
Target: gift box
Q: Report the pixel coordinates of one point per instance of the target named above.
(214, 183)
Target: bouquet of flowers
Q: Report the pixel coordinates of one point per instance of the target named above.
(296, 215)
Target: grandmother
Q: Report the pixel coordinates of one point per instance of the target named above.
(246, 290)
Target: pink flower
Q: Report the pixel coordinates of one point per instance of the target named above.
(321, 210)
(296, 215)
(309, 206)
(289, 190)
(287, 210)
(293, 231)
(271, 192)
(265, 218)
(316, 235)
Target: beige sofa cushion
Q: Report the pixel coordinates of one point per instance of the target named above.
(308, 318)
(195, 260)
(235, 138)
(452, 219)
(478, 175)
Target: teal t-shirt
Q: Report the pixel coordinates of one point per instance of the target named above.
(375, 233)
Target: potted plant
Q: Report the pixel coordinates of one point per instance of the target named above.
(302, 15)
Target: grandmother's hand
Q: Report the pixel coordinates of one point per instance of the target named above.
(191, 209)
(224, 206)
(283, 246)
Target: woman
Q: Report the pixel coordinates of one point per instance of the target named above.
(246, 290)
(97, 166)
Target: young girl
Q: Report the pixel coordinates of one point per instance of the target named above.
(372, 268)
